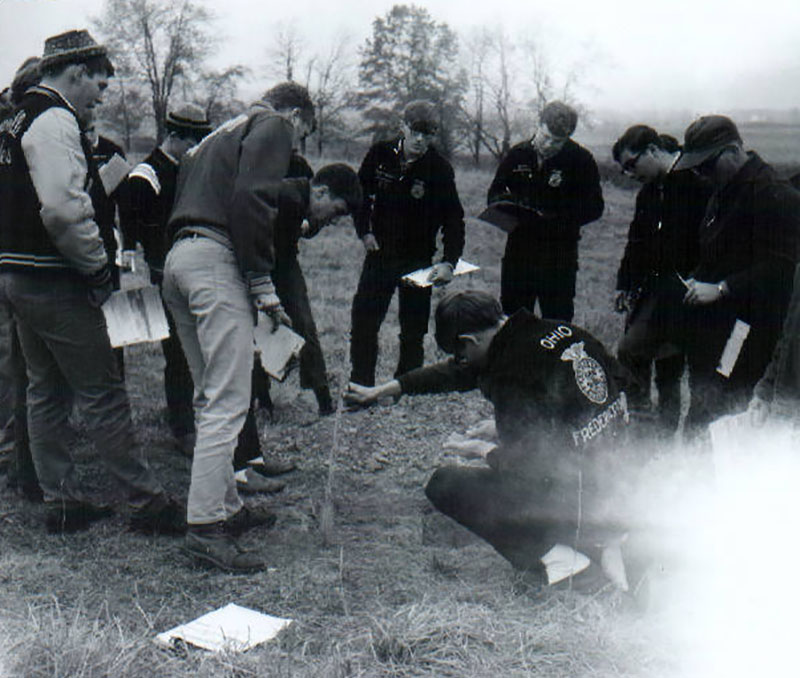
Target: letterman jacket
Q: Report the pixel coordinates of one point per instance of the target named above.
(46, 214)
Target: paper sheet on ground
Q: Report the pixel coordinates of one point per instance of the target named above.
(419, 278)
(232, 628)
(135, 316)
(276, 349)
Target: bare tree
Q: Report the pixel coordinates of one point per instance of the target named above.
(330, 85)
(217, 92)
(157, 41)
(285, 50)
(493, 108)
(125, 107)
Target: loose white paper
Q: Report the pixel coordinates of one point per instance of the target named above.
(733, 347)
(113, 172)
(563, 561)
(135, 316)
(419, 278)
(231, 628)
(276, 349)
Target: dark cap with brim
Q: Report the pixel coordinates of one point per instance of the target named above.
(705, 137)
(72, 47)
(189, 120)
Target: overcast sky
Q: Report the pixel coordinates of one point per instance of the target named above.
(696, 55)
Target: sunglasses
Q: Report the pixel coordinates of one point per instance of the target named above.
(630, 164)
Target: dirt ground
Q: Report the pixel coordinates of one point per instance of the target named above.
(390, 589)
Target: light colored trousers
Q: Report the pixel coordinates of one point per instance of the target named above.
(209, 301)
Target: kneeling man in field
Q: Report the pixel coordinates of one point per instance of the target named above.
(559, 404)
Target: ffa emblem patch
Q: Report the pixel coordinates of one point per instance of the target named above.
(417, 189)
(555, 179)
(589, 374)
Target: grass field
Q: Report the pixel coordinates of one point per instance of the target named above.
(391, 589)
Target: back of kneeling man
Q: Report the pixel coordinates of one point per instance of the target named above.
(558, 401)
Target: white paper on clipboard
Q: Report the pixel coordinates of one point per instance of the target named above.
(276, 349)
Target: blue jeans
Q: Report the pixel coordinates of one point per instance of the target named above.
(211, 307)
(70, 361)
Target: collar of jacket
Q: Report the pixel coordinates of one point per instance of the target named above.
(52, 93)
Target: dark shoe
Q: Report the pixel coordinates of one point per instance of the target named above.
(213, 545)
(271, 467)
(62, 517)
(247, 518)
(163, 515)
(251, 482)
(326, 405)
(185, 444)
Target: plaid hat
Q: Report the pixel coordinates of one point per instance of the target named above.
(72, 47)
(704, 137)
(420, 116)
(188, 120)
(560, 119)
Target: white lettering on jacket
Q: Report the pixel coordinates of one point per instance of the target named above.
(549, 341)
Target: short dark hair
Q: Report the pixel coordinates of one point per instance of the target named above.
(99, 63)
(27, 75)
(288, 95)
(637, 138)
(560, 118)
(343, 183)
(463, 313)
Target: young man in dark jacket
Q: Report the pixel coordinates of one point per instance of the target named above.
(409, 196)
(553, 188)
(149, 193)
(748, 251)
(558, 402)
(662, 248)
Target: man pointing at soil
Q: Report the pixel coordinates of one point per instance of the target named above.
(558, 402)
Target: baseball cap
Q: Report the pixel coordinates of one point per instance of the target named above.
(704, 137)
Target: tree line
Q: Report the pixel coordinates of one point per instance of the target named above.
(486, 85)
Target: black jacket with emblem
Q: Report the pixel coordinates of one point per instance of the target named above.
(749, 238)
(562, 193)
(556, 393)
(406, 204)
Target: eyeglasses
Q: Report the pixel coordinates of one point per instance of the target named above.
(630, 164)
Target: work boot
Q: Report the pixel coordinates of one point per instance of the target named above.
(271, 467)
(63, 517)
(213, 545)
(163, 515)
(247, 518)
(251, 482)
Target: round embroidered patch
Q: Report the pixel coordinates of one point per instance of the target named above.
(589, 374)
(417, 189)
(555, 178)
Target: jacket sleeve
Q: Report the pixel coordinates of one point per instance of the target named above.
(775, 247)
(630, 274)
(263, 162)
(366, 175)
(586, 203)
(57, 165)
(500, 188)
(452, 219)
(442, 377)
(138, 210)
